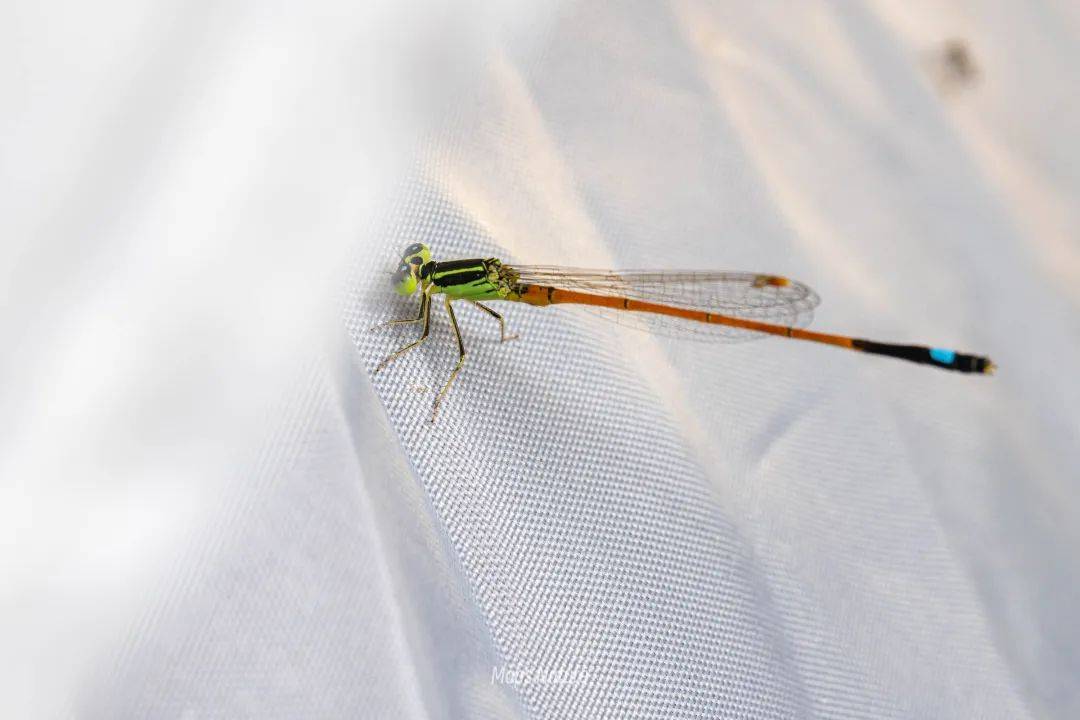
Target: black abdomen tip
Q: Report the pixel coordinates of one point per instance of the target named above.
(961, 362)
(939, 357)
(980, 365)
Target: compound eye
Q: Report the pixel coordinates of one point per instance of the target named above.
(416, 251)
(404, 280)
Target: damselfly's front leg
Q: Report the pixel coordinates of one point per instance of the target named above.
(425, 315)
(407, 321)
(503, 337)
(460, 362)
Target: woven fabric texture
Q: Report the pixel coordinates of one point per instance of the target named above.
(764, 530)
(219, 510)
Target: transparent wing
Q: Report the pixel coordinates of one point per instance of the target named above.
(755, 296)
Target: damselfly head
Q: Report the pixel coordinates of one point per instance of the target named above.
(406, 277)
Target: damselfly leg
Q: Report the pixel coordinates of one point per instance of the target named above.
(460, 362)
(503, 337)
(425, 315)
(405, 321)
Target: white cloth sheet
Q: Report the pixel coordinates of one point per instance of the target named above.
(211, 508)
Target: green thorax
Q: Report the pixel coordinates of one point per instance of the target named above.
(475, 279)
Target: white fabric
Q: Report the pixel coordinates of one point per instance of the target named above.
(212, 509)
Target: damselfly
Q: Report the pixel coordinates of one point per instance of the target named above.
(721, 305)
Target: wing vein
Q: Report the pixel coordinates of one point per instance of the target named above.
(755, 296)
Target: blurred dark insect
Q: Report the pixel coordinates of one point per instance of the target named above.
(954, 66)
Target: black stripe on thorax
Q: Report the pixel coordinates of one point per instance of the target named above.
(459, 272)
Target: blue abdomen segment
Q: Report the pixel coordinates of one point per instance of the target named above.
(943, 356)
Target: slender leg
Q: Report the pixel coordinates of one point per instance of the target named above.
(409, 321)
(460, 362)
(425, 312)
(503, 337)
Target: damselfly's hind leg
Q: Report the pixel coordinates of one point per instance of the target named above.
(460, 362)
(406, 321)
(425, 315)
(503, 337)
